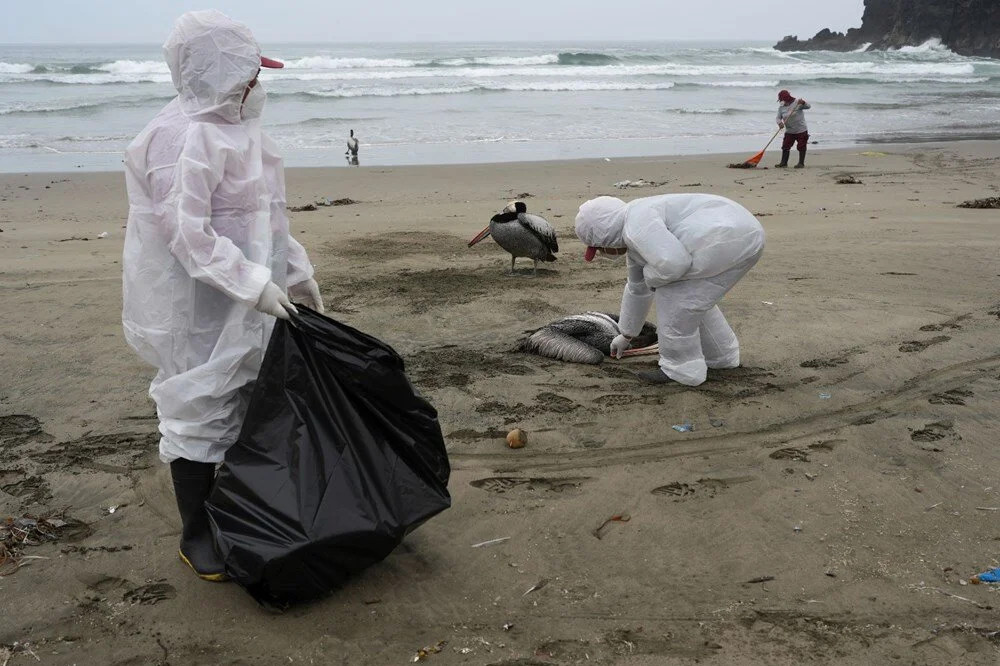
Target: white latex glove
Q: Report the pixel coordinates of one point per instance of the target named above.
(307, 293)
(619, 345)
(273, 301)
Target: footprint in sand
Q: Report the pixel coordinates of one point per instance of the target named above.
(790, 453)
(707, 487)
(824, 362)
(952, 397)
(16, 429)
(920, 345)
(934, 432)
(501, 485)
(150, 595)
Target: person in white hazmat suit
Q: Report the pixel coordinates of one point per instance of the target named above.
(685, 251)
(208, 260)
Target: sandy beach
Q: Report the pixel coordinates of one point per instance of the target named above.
(835, 493)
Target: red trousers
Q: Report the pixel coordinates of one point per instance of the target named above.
(802, 138)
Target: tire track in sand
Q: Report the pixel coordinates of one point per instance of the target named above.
(887, 405)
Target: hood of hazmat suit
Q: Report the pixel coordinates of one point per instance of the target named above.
(685, 251)
(207, 230)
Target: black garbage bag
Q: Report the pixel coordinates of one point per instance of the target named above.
(338, 459)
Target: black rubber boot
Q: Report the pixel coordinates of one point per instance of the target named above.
(802, 160)
(784, 159)
(192, 484)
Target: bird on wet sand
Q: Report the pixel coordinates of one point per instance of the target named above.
(521, 234)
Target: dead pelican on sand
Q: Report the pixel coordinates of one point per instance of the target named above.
(586, 338)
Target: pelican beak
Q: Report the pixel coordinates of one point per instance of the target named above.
(480, 236)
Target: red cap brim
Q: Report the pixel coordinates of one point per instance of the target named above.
(590, 254)
(271, 64)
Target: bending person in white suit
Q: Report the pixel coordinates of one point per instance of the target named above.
(685, 251)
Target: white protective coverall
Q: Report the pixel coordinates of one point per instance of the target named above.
(207, 230)
(686, 251)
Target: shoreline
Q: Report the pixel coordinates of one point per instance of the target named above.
(904, 144)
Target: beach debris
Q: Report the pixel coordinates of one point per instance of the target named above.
(716, 423)
(741, 165)
(607, 159)
(320, 203)
(797, 529)
(991, 576)
(760, 579)
(873, 153)
(490, 542)
(692, 185)
(425, 652)
(683, 427)
(824, 396)
(29, 530)
(811, 477)
(767, 302)
(988, 508)
(989, 202)
(848, 180)
(617, 518)
(524, 195)
(517, 438)
(626, 184)
(507, 626)
(103, 234)
(537, 586)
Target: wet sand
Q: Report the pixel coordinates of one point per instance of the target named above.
(851, 467)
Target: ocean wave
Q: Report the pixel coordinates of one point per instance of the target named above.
(861, 49)
(388, 92)
(586, 59)
(933, 45)
(555, 86)
(95, 79)
(134, 67)
(19, 108)
(547, 59)
(698, 111)
(730, 84)
(328, 62)
(75, 108)
(15, 68)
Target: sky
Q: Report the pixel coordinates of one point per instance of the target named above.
(149, 21)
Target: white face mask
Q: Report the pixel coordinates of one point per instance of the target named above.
(253, 105)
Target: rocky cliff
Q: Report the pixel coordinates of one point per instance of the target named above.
(969, 27)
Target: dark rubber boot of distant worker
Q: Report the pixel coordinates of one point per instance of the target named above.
(792, 119)
(192, 485)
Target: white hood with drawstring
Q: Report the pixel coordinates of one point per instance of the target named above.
(207, 230)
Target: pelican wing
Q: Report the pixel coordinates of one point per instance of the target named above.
(553, 343)
(541, 229)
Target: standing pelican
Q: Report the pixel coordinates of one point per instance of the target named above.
(352, 145)
(521, 234)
